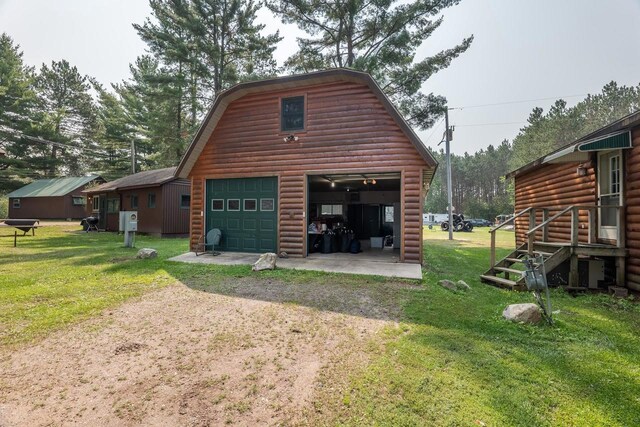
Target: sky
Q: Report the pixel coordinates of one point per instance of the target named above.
(523, 50)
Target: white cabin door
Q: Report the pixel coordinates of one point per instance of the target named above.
(609, 193)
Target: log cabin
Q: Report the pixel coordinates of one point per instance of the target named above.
(54, 198)
(278, 164)
(579, 208)
(161, 200)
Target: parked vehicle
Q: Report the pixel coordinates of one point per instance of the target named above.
(502, 218)
(459, 224)
(476, 222)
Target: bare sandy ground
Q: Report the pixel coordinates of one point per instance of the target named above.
(256, 354)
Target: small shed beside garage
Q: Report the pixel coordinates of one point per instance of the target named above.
(55, 198)
(162, 201)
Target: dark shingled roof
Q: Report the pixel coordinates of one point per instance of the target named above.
(150, 178)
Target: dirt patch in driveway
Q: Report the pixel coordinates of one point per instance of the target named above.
(247, 352)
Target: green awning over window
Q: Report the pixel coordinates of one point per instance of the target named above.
(609, 142)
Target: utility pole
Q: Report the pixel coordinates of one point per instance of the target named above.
(448, 135)
(133, 156)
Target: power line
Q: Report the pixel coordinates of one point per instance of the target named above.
(492, 124)
(518, 102)
(434, 130)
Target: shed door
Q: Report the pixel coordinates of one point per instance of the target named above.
(246, 211)
(610, 175)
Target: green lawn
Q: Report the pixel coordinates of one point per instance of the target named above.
(452, 361)
(455, 361)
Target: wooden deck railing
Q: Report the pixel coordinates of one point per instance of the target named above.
(592, 227)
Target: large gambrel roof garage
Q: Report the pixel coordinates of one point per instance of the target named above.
(279, 164)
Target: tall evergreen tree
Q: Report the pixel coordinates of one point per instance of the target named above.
(380, 37)
(16, 107)
(199, 47)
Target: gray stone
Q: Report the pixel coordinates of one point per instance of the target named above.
(147, 253)
(463, 285)
(526, 313)
(448, 284)
(265, 262)
(453, 286)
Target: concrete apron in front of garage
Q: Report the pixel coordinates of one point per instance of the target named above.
(356, 264)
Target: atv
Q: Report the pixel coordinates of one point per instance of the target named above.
(459, 224)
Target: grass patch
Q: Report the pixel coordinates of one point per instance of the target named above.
(455, 361)
(63, 275)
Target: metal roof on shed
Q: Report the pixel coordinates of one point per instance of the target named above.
(52, 187)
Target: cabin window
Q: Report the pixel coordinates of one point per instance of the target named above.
(267, 205)
(16, 203)
(250, 205)
(233, 204)
(134, 201)
(151, 200)
(388, 214)
(78, 201)
(113, 205)
(96, 203)
(185, 201)
(292, 111)
(331, 210)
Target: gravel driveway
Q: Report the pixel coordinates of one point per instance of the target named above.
(248, 352)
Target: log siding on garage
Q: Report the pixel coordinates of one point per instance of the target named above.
(347, 129)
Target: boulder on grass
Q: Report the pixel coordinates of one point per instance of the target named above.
(147, 253)
(525, 313)
(265, 262)
(463, 285)
(453, 286)
(448, 284)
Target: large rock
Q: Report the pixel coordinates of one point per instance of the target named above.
(265, 262)
(453, 286)
(147, 253)
(526, 313)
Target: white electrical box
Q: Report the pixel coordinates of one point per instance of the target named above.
(131, 221)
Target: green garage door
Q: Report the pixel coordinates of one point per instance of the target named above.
(246, 211)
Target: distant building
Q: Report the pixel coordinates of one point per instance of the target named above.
(56, 198)
(161, 200)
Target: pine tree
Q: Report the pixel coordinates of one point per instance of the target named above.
(380, 37)
(16, 103)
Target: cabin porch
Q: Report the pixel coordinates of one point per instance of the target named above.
(584, 261)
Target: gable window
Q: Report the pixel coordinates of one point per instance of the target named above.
(78, 201)
(185, 201)
(16, 204)
(134, 201)
(151, 200)
(96, 203)
(292, 114)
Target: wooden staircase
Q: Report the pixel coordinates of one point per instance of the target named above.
(507, 273)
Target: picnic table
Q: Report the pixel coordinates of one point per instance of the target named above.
(24, 225)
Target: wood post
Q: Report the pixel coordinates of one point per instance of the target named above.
(573, 270)
(574, 226)
(622, 227)
(493, 249)
(545, 227)
(531, 237)
(621, 266)
(593, 225)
